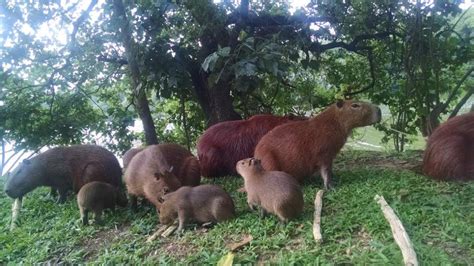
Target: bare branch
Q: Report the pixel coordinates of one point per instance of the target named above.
(462, 102)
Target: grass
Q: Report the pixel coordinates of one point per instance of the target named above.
(437, 216)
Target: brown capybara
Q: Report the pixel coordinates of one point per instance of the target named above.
(201, 204)
(272, 191)
(128, 155)
(225, 143)
(64, 169)
(301, 148)
(449, 153)
(97, 196)
(159, 169)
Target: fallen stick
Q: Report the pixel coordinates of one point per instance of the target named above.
(16, 207)
(318, 206)
(157, 233)
(169, 231)
(398, 232)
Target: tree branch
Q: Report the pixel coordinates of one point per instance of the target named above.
(116, 60)
(455, 91)
(79, 21)
(372, 76)
(462, 102)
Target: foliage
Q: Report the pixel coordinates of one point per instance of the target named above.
(436, 215)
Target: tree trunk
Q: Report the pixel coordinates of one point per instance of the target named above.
(131, 51)
(3, 157)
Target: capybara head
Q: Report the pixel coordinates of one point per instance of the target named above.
(23, 179)
(249, 166)
(167, 213)
(167, 182)
(121, 198)
(357, 114)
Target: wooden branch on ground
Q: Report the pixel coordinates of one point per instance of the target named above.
(163, 231)
(16, 207)
(318, 206)
(399, 233)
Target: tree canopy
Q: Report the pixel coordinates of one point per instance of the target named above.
(80, 70)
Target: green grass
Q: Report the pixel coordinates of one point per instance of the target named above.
(439, 219)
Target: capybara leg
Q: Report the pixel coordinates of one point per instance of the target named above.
(98, 217)
(133, 202)
(84, 216)
(53, 193)
(182, 218)
(261, 212)
(326, 174)
(62, 195)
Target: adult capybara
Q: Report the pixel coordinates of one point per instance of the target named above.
(159, 169)
(97, 196)
(64, 169)
(225, 143)
(128, 155)
(449, 153)
(300, 148)
(272, 191)
(201, 204)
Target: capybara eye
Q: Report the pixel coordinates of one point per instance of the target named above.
(355, 105)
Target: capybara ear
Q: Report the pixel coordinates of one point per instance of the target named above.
(340, 103)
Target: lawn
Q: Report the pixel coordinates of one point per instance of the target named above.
(437, 216)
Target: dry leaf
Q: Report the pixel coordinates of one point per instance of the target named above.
(243, 242)
(227, 260)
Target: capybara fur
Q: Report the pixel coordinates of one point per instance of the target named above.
(300, 148)
(159, 169)
(449, 153)
(128, 155)
(273, 192)
(201, 204)
(97, 196)
(223, 144)
(64, 169)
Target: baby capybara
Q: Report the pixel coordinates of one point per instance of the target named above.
(201, 204)
(272, 191)
(97, 196)
(300, 148)
(128, 155)
(65, 169)
(449, 153)
(225, 143)
(159, 169)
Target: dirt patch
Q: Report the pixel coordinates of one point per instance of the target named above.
(412, 162)
(103, 239)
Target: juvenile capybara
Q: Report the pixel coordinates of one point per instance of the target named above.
(300, 148)
(97, 196)
(273, 192)
(225, 143)
(159, 169)
(201, 204)
(128, 155)
(64, 169)
(449, 153)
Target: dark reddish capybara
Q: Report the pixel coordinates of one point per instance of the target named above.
(97, 196)
(201, 204)
(274, 192)
(223, 144)
(64, 169)
(449, 153)
(128, 155)
(159, 169)
(301, 148)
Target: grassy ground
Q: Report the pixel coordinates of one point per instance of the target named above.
(437, 216)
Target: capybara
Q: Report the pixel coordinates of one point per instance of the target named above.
(97, 196)
(272, 191)
(301, 148)
(449, 153)
(159, 169)
(201, 204)
(128, 155)
(225, 143)
(64, 169)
